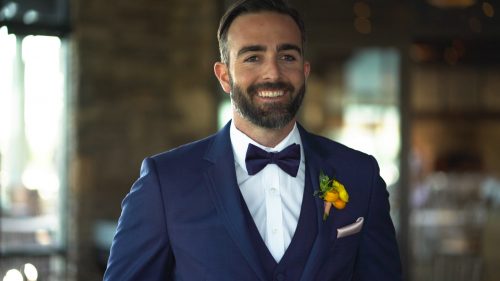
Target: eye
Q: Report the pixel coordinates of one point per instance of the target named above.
(251, 59)
(288, 58)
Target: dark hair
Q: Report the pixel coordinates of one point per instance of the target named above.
(254, 6)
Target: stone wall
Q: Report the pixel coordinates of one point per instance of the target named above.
(142, 83)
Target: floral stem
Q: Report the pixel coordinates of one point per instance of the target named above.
(328, 206)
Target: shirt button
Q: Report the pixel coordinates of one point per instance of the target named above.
(275, 230)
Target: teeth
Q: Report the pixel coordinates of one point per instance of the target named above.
(271, 94)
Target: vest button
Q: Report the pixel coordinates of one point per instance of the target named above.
(280, 277)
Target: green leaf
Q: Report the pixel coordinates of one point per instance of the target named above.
(324, 183)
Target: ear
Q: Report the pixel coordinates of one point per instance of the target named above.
(307, 69)
(222, 73)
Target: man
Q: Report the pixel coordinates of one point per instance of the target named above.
(239, 205)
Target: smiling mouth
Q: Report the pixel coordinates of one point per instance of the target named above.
(271, 94)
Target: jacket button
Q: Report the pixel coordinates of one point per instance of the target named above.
(280, 277)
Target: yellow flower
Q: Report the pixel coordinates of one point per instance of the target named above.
(333, 193)
(344, 196)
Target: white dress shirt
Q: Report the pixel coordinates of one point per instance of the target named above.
(273, 197)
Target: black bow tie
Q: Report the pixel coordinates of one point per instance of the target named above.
(288, 159)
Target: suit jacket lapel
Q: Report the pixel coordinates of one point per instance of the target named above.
(223, 188)
(323, 242)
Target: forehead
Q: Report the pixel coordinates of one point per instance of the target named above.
(264, 28)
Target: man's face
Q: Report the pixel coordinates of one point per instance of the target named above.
(266, 72)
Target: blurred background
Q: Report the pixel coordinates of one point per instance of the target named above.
(89, 88)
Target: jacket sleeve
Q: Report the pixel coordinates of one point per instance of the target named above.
(378, 256)
(141, 248)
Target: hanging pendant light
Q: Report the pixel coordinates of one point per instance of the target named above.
(451, 4)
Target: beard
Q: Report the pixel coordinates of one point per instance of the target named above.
(271, 115)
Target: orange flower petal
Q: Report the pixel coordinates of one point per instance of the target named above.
(339, 204)
(331, 196)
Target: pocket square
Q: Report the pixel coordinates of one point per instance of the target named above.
(350, 229)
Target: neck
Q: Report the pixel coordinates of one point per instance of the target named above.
(264, 136)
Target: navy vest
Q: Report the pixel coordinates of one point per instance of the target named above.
(292, 263)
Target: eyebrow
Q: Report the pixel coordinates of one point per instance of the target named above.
(251, 48)
(286, 47)
(260, 48)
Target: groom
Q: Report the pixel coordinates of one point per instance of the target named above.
(239, 205)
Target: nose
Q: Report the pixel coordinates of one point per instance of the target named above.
(271, 70)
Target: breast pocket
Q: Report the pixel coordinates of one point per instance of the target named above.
(340, 258)
(348, 243)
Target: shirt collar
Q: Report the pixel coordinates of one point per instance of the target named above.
(240, 143)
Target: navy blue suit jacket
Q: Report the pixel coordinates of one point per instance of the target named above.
(184, 219)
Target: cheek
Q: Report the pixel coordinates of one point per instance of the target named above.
(297, 77)
(243, 78)
(293, 72)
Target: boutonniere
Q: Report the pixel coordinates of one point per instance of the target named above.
(332, 192)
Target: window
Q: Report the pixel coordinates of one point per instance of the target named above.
(32, 156)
